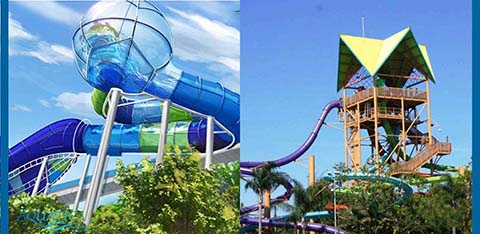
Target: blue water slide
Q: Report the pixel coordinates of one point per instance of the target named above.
(74, 136)
(134, 53)
(407, 189)
(59, 137)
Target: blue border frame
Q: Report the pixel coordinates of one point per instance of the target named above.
(4, 114)
(4, 118)
(475, 112)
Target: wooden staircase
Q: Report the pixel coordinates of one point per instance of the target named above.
(412, 165)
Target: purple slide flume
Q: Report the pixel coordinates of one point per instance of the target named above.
(316, 227)
(306, 145)
(246, 168)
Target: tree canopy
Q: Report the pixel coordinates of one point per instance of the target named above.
(177, 196)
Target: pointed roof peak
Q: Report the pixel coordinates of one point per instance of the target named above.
(373, 54)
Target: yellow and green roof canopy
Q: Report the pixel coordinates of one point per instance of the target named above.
(382, 56)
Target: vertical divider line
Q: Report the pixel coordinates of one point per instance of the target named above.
(4, 119)
(475, 110)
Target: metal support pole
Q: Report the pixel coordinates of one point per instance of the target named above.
(102, 184)
(345, 129)
(39, 176)
(335, 202)
(311, 170)
(209, 142)
(429, 120)
(101, 156)
(375, 112)
(80, 184)
(47, 187)
(357, 153)
(162, 139)
(311, 176)
(404, 132)
(363, 26)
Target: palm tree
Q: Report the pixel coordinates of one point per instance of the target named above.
(264, 181)
(306, 200)
(453, 193)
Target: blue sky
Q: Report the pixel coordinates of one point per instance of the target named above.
(289, 56)
(45, 85)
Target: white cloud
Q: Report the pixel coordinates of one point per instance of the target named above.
(20, 107)
(50, 53)
(53, 11)
(229, 79)
(200, 39)
(16, 30)
(45, 103)
(75, 103)
(217, 9)
(26, 44)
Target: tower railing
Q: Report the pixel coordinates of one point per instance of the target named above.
(389, 92)
(437, 148)
(368, 114)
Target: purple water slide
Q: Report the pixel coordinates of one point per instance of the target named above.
(316, 227)
(284, 197)
(59, 137)
(246, 169)
(306, 145)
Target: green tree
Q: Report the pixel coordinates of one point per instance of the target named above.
(377, 207)
(265, 179)
(373, 207)
(23, 207)
(112, 219)
(229, 176)
(307, 199)
(177, 196)
(447, 208)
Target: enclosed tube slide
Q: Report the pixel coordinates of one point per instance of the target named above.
(73, 135)
(131, 111)
(134, 52)
(127, 45)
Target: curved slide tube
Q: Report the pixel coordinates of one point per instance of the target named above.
(150, 112)
(246, 169)
(103, 72)
(433, 179)
(72, 135)
(315, 227)
(131, 112)
(408, 190)
(306, 145)
(115, 63)
(310, 215)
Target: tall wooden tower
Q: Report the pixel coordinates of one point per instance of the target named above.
(386, 104)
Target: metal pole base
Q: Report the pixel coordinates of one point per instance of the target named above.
(97, 177)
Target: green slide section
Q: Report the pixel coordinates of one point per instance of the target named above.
(98, 98)
(439, 167)
(433, 179)
(149, 134)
